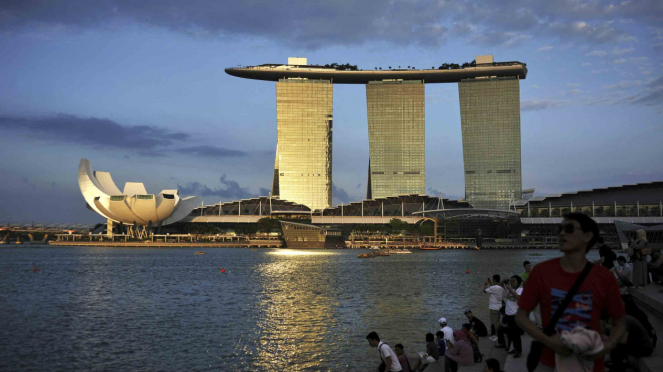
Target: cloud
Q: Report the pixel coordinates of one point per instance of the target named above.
(545, 48)
(617, 51)
(230, 190)
(93, 131)
(597, 53)
(652, 95)
(345, 22)
(543, 104)
(339, 195)
(626, 84)
(619, 61)
(211, 152)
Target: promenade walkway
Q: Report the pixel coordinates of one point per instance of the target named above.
(649, 299)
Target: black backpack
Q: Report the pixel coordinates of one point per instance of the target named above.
(633, 310)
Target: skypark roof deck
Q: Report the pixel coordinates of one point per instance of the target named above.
(274, 72)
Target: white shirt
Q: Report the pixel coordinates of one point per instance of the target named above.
(496, 292)
(385, 351)
(448, 334)
(512, 302)
(627, 271)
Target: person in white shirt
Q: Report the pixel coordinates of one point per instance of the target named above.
(514, 290)
(388, 357)
(448, 332)
(494, 304)
(624, 273)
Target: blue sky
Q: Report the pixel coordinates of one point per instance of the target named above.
(139, 89)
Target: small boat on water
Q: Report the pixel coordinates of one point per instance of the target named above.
(373, 254)
(400, 251)
(199, 252)
(430, 248)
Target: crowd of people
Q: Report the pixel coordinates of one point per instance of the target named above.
(578, 312)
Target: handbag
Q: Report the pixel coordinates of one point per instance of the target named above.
(537, 347)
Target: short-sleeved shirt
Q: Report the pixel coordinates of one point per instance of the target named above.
(524, 276)
(448, 334)
(442, 346)
(385, 351)
(495, 301)
(511, 302)
(433, 350)
(548, 284)
(608, 257)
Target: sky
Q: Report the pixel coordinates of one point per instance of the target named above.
(139, 89)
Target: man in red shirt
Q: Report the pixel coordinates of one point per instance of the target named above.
(549, 282)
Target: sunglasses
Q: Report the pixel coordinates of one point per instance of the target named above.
(568, 228)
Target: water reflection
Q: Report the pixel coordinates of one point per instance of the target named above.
(296, 312)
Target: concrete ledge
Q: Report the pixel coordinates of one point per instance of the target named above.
(649, 298)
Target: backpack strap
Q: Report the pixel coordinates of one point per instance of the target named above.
(550, 327)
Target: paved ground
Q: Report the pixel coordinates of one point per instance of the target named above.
(650, 300)
(487, 349)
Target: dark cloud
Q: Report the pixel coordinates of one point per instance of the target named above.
(143, 140)
(333, 22)
(210, 152)
(94, 132)
(229, 190)
(339, 195)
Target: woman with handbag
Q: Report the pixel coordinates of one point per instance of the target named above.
(639, 250)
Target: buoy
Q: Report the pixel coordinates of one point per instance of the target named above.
(467, 271)
(34, 267)
(223, 271)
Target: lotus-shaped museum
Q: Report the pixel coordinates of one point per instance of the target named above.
(133, 206)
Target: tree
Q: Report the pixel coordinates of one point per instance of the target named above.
(396, 225)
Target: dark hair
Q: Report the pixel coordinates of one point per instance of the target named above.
(373, 336)
(518, 279)
(493, 365)
(429, 337)
(496, 278)
(526, 263)
(621, 258)
(599, 240)
(467, 326)
(439, 334)
(398, 346)
(587, 225)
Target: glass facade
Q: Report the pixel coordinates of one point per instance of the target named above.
(396, 138)
(303, 166)
(490, 121)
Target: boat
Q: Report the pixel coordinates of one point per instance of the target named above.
(199, 252)
(430, 248)
(400, 251)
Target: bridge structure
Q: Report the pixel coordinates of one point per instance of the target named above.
(39, 233)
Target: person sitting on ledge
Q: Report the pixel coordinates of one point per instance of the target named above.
(431, 355)
(458, 353)
(402, 358)
(477, 325)
(441, 343)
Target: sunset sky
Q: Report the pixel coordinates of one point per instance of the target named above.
(139, 88)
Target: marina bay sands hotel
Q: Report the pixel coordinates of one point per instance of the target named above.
(489, 94)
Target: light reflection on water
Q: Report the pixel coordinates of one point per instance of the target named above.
(272, 310)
